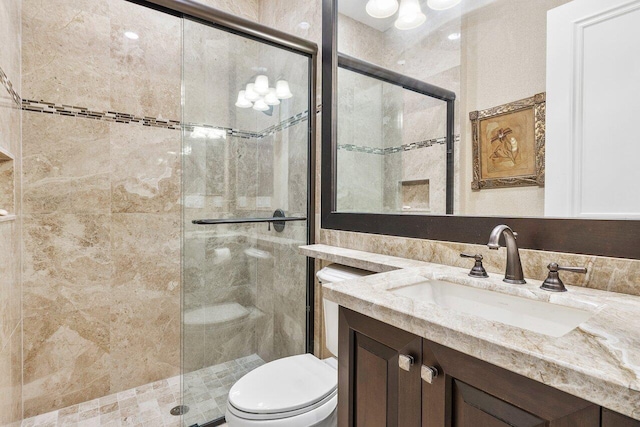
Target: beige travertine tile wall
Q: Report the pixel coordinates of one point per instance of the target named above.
(101, 202)
(102, 248)
(10, 230)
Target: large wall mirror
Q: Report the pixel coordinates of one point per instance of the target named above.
(529, 119)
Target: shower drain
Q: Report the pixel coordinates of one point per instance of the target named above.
(179, 410)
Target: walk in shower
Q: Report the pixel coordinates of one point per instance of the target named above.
(121, 123)
(246, 209)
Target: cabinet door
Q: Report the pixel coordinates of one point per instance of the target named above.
(613, 419)
(373, 390)
(479, 394)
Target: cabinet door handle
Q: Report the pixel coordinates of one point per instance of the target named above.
(428, 373)
(405, 362)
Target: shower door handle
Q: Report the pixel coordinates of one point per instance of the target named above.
(247, 220)
(278, 220)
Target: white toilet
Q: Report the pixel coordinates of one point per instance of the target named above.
(296, 391)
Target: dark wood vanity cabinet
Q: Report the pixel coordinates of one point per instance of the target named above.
(379, 392)
(374, 390)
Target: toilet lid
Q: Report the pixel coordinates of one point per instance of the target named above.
(284, 385)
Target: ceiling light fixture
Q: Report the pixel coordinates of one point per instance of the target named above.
(259, 96)
(410, 15)
(382, 8)
(260, 105)
(261, 85)
(242, 101)
(131, 35)
(453, 36)
(442, 4)
(282, 89)
(271, 98)
(250, 93)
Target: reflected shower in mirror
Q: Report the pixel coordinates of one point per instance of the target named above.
(392, 147)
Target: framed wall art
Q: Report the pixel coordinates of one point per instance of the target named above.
(508, 144)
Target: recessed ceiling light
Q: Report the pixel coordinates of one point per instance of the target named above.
(304, 25)
(131, 35)
(402, 62)
(454, 36)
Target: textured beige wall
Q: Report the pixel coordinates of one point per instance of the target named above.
(10, 230)
(503, 59)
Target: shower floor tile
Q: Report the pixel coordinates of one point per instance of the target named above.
(205, 393)
(206, 390)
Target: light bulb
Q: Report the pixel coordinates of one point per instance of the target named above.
(410, 15)
(242, 101)
(271, 98)
(262, 85)
(442, 4)
(381, 8)
(250, 93)
(282, 89)
(260, 105)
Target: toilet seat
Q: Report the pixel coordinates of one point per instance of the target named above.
(285, 388)
(330, 402)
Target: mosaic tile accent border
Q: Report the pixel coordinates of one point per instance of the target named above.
(108, 116)
(116, 117)
(6, 83)
(286, 123)
(291, 121)
(391, 150)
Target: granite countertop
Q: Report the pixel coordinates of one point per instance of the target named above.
(598, 361)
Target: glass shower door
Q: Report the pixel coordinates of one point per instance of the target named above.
(245, 158)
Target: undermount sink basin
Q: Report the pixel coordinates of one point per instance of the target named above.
(545, 318)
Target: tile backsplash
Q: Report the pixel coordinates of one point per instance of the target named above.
(605, 273)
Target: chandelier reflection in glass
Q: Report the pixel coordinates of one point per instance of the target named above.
(259, 96)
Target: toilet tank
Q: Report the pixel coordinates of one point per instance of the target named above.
(332, 274)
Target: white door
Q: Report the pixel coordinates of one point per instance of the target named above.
(593, 110)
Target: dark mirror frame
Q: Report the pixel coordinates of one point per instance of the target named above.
(614, 238)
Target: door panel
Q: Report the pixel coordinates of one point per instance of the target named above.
(505, 396)
(374, 402)
(374, 390)
(591, 84)
(473, 407)
(613, 419)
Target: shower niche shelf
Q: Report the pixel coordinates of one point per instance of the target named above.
(7, 185)
(415, 195)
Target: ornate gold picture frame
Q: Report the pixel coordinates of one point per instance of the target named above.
(508, 144)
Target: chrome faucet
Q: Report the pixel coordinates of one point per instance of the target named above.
(513, 273)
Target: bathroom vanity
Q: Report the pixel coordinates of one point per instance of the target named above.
(414, 353)
(394, 378)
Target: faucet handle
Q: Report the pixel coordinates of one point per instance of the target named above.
(553, 282)
(478, 269)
